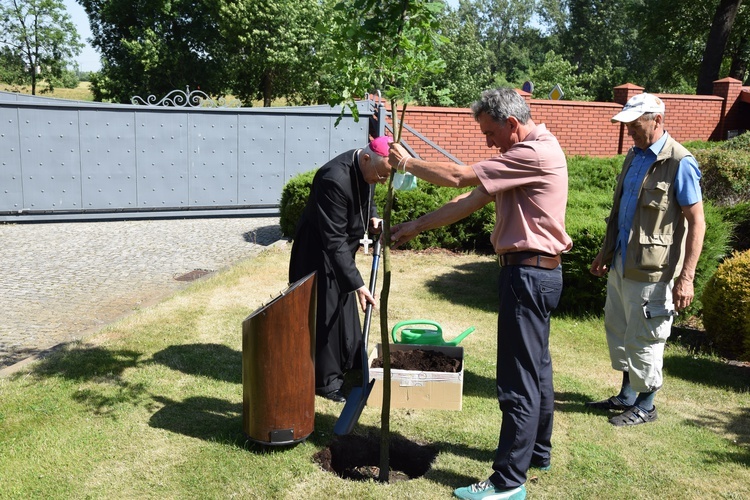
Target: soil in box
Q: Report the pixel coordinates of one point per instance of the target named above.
(422, 377)
(420, 360)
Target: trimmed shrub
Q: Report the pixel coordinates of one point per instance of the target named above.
(726, 307)
(739, 217)
(726, 171)
(472, 233)
(715, 249)
(293, 200)
(739, 143)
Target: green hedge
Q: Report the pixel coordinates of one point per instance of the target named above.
(726, 171)
(471, 233)
(739, 217)
(293, 200)
(591, 184)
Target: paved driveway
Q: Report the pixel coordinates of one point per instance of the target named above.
(63, 281)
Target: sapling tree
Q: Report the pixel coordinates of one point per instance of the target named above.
(392, 46)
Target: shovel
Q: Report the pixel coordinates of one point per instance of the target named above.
(358, 397)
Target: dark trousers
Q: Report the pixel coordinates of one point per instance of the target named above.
(528, 295)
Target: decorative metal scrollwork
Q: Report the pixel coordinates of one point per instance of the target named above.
(186, 98)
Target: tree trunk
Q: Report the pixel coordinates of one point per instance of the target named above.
(740, 59)
(385, 412)
(267, 87)
(716, 45)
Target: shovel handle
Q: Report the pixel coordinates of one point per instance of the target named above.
(368, 311)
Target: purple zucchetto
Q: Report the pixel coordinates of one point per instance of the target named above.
(379, 145)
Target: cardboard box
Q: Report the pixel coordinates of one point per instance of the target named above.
(417, 389)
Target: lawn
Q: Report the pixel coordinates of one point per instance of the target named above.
(151, 406)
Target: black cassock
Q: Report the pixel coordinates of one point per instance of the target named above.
(326, 240)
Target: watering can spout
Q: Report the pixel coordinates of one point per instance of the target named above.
(462, 336)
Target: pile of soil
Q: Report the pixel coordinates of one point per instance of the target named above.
(421, 360)
(357, 458)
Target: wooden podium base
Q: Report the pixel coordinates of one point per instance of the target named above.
(278, 367)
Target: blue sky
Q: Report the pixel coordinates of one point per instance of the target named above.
(88, 59)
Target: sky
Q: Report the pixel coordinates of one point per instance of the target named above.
(88, 59)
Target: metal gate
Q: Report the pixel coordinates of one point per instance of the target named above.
(87, 161)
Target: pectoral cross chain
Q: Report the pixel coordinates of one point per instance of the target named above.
(366, 242)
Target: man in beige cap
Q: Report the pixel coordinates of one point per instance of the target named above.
(651, 247)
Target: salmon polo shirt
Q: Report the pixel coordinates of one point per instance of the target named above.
(530, 185)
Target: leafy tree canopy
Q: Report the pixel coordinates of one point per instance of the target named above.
(151, 47)
(274, 47)
(303, 52)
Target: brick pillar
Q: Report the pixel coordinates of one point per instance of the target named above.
(728, 89)
(624, 92)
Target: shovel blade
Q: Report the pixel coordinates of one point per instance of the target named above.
(352, 409)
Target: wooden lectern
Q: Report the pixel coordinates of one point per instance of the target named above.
(278, 367)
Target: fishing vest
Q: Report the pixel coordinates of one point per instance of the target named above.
(656, 243)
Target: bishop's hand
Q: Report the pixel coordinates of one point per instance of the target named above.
(365, 297)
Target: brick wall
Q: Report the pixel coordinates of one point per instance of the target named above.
(583, 128)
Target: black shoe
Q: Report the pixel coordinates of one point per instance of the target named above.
(336, 395)
(634, 416)
(613, 403)
(545, 466)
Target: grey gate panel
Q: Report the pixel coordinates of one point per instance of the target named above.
(348, 135)
(11, 185)
(80, 160)
(51, 159)
(162, 157)
(313, 141)
(213, 160)
(307, 143)
(108, 166)
(261, 159)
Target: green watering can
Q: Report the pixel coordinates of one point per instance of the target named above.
(424, 336)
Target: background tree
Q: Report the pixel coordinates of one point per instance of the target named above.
(38, 41)
(672, 38)
(739, 46)
(274, 48)
(270, 49)
(156, 46)
(12, 69)
(716, 44)
(556, 70)
(515, 42)
(467, 62)
(599, 39)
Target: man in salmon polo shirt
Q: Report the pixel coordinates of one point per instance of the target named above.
(528, 181)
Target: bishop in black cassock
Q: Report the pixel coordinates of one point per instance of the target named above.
(332, 226)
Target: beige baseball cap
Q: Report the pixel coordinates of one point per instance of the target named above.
(639, 105)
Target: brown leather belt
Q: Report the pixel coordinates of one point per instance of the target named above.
(529, 259)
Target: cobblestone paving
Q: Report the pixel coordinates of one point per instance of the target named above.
(63, 281)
